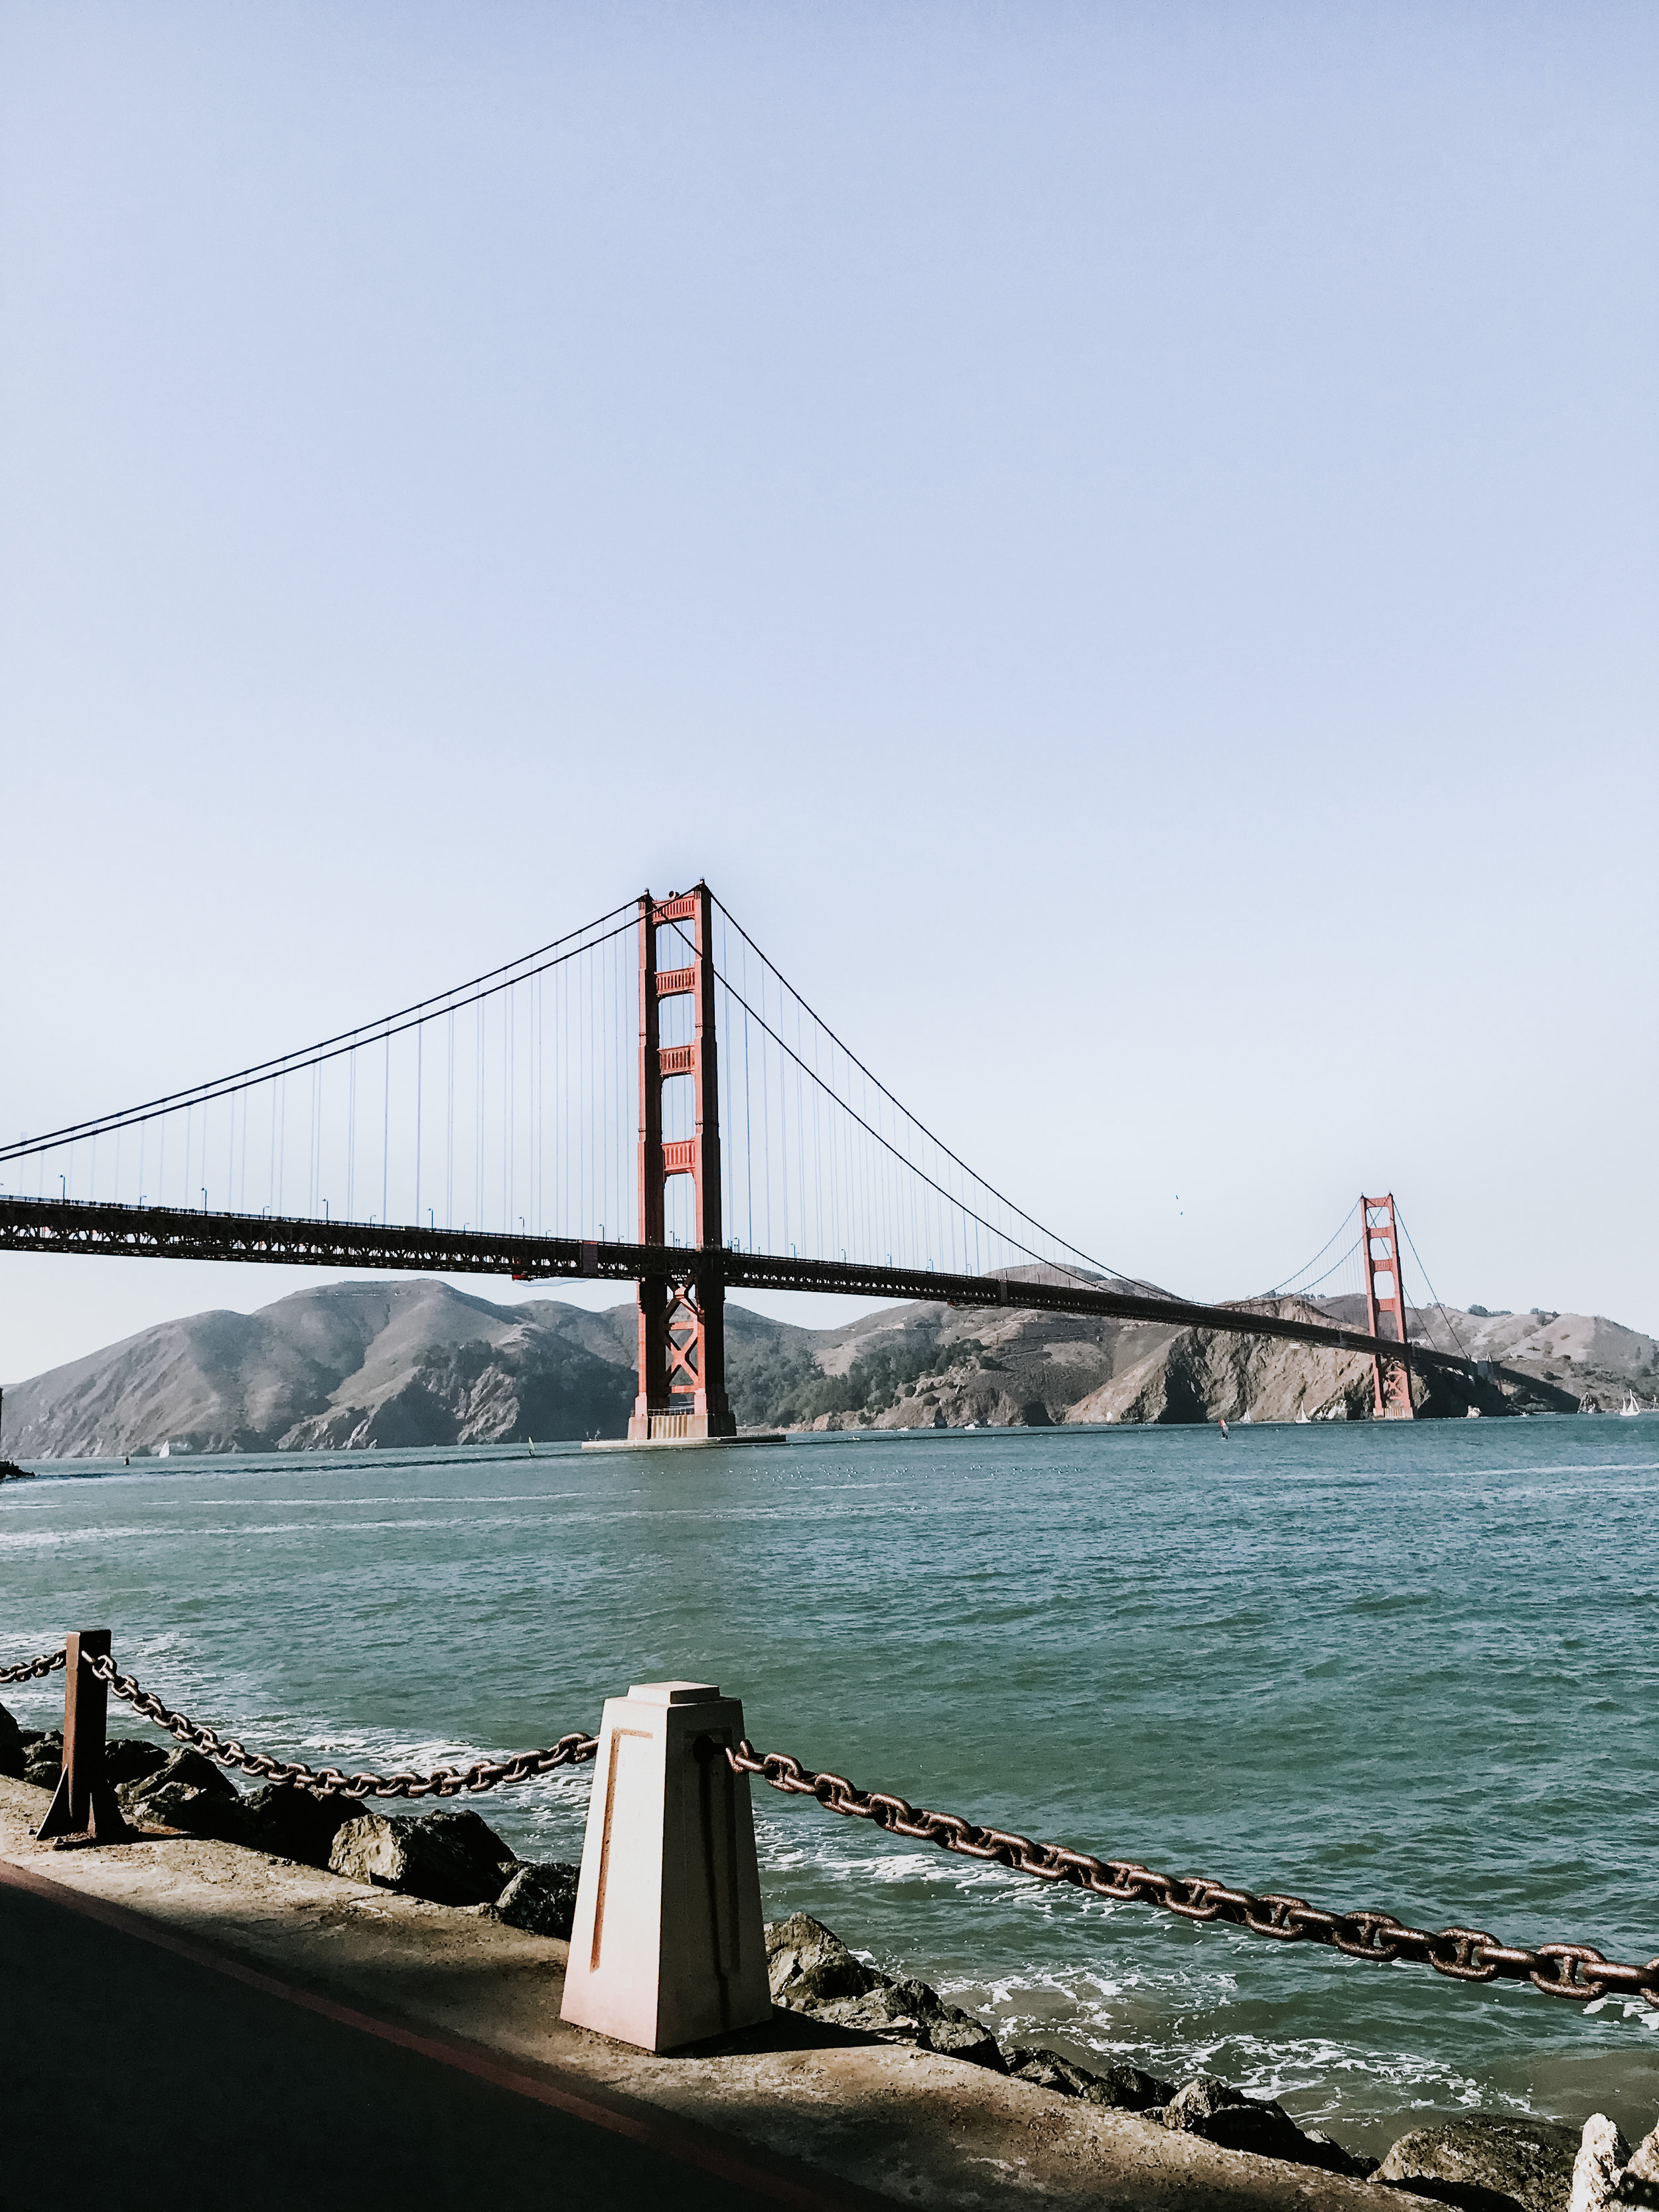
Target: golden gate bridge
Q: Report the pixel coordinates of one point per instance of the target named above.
(646, 1099)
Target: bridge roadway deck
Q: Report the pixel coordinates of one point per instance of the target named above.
(33, 1225)
(187, 2025)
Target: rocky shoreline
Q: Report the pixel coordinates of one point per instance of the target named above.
(1483, 2162)
(1487, 2162)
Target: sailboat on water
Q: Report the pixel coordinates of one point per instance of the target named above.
(1633, 1406)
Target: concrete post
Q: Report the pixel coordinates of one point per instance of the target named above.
(667, 1947)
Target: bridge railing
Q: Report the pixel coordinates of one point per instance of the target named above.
(86, 1226)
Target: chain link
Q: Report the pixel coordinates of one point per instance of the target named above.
(329, 1781)
(1575, 1970)
(1463, 1954)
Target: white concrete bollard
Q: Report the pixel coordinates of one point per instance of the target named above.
(668, 1945)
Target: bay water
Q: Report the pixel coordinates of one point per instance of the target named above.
(1410, 1667)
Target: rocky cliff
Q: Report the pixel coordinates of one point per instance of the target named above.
(1599, 1361)
(936, 1366)
(354, 1365)
(361, 1363)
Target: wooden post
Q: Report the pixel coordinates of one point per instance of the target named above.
(84, 1803)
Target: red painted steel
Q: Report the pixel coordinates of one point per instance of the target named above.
(84, 1803)
(1385, 1298)
(681, 1364)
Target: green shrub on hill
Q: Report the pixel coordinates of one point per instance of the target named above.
(784, 1389)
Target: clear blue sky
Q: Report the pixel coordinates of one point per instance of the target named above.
(1120, 539)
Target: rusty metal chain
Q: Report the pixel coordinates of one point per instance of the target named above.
(329, 1781)
(1464, 1954)
(33, 1669)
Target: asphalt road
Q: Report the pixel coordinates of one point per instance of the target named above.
(133, 2079)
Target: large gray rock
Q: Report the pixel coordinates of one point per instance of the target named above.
(1640, 2182)
(188, 1791)
(486, 1862)
(129, 1759)
(38, 1757)
(909, 2012)
(807, 1964)
(540, 1899)
(952, 2032)
(43, 1759)
(1221, 2114)
(1489, 2162)
(1119, 2088)
(448, 1858)
(222, 1815)
(1595, 2173)
(1644, 2161)
(811, 1970)
(291, 1823)
(185, 1770)
(1127, 2089)
(1048, 2069)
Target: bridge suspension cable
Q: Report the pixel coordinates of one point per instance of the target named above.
(507, 1095)
(389, 1026)
(821, 1156)
(1301, 1279)
(1343, 1277)
(1434, 1299)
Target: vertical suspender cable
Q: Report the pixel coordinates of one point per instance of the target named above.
(386, 1131)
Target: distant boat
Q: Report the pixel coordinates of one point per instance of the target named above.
(1631, 1405)
(1473, 1414)
(1302, 1418)
(1244, 1416)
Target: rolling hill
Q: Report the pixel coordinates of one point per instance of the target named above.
(400, 1362)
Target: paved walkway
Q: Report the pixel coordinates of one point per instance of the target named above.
(134, 2078)
(211, 2027)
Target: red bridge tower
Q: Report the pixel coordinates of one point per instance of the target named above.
(1385, 1295)
(682, 1309)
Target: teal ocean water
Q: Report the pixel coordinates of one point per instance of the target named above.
(1413, 1668)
